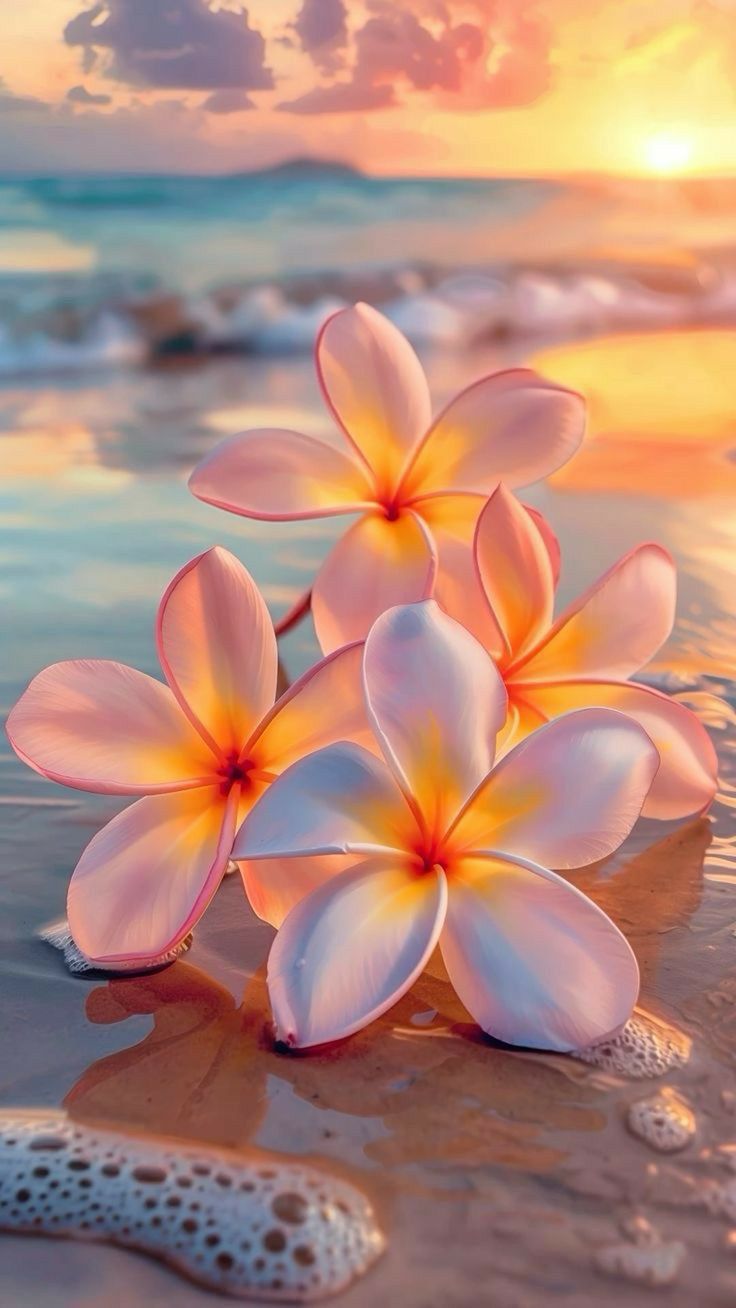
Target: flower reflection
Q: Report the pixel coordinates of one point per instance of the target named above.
(442, 1094)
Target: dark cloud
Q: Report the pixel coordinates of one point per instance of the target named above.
(173, 44)
(80, 95)
(322, 29)
(18, 104)
(493, 54)
(228, 101)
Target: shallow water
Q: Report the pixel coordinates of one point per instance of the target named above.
(502, 1177)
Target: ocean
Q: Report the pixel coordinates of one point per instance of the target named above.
(115, 270)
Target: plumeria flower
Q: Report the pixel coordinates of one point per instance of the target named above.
(587, 654)
(453, 850)
(417, 484)
(201, 749)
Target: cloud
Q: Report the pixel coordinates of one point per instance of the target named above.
(173, 44)
(322, 29)
(341, 98)
(228, 101)
(80, 95)
(471, 56)
(165, 136)
(19, 104)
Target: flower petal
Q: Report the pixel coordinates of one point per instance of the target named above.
(146, 878)
(567, 795)
(515, 570)
(375, 386)
(323, 706)
(217, 648)
(452, 521)
(688, 771)
(551, 543)
(278, 475)
(351, 949)
(98, 725)
(327, 803)
(533, 960)
(377, 563)
(513, 426)
(523, 718)
(615, 627)
(275, 885)
(436, 702)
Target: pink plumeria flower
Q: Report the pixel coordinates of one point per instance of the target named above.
(200, 749)
(453, 850)
(418, 485)
(587, 654)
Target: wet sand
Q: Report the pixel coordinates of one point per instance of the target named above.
(500, 1177)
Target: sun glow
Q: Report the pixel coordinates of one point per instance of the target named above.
(667, 152)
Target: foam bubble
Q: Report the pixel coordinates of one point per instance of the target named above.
(277, 1231)
(656, 1264)
(663, 1120)
(644, 1047)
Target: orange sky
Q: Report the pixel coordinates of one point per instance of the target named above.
(397, 86)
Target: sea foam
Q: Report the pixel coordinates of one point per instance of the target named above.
(248, 1227)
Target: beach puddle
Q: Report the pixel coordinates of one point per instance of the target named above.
(253, 1228)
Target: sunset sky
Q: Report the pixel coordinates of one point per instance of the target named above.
(394, 86)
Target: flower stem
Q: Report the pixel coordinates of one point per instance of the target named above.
(294, 614)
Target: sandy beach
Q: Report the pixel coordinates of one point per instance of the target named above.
(483, 1162)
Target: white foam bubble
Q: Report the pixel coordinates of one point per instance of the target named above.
(664, 1121)
(655, 1265)
(645, 1047)
(273, 1230)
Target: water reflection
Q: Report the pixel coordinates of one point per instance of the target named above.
(445, 1095)
(204, 1070)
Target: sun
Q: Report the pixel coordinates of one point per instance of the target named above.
(667, 152)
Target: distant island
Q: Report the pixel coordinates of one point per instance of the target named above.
(303, 166)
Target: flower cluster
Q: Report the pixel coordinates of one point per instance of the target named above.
(415, 789)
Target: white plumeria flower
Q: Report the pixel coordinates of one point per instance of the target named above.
(452, 850)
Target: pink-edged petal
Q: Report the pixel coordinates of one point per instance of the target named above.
(217, 648)
(615, 627)
(513, 426)
(534, 960)
(279, 475)
(375, 386)
(551, 543)
(98, 725)
(452, 521)
(688, 771)
(275, 886)
(351, 949)
(515, 571)
(378, 563)
(323, 706)
(330, 802)
(523, 718)
(567, 795)
(146, 878)
(436, 701)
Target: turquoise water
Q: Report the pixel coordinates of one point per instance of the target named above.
(188, 232)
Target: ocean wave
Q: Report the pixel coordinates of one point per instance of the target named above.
(433, 308)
